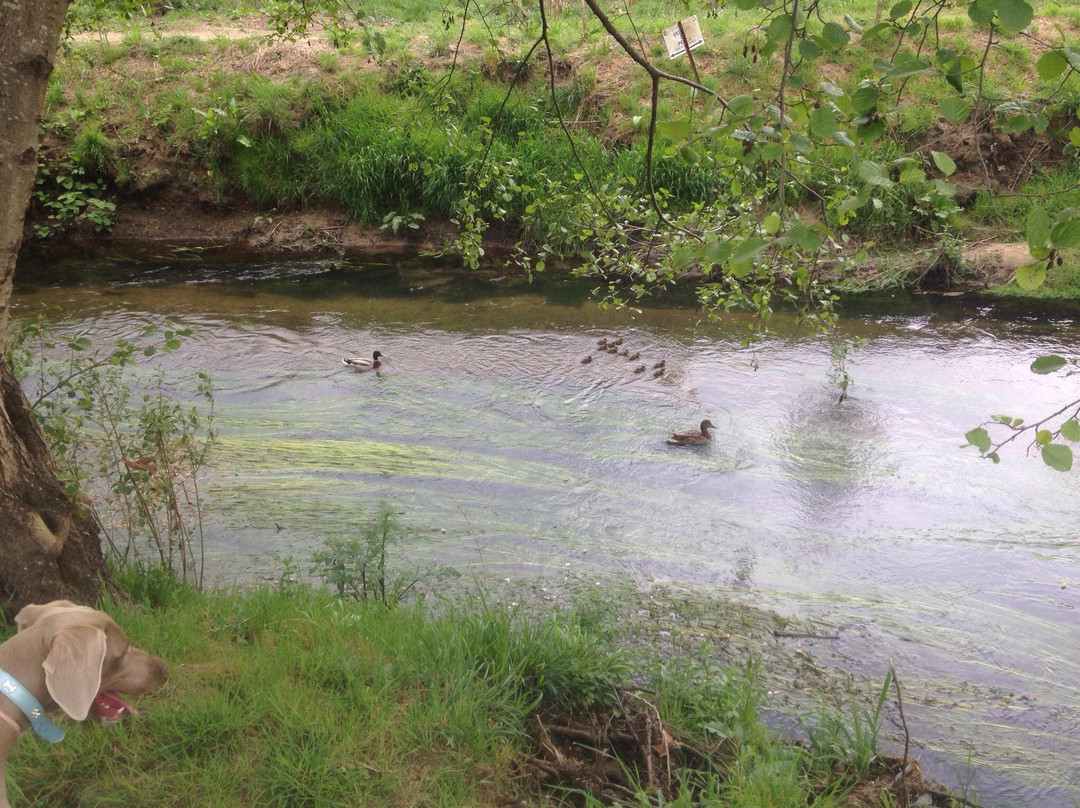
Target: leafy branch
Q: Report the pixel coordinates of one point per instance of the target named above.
(1044, 435)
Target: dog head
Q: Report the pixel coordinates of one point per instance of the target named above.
(88, 659)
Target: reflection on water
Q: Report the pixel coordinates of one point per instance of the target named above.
(499, 445)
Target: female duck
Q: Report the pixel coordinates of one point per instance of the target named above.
(692, 437)
(359, 363)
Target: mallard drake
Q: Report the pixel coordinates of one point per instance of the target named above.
(359, 363)
(692, 437)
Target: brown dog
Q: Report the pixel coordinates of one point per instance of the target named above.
(71, 657)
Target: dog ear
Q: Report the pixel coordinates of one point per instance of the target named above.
(28, 615)
(73, 668)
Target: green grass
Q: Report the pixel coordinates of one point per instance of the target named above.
(287, 696)
(291, 697)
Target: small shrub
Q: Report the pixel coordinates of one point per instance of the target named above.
(359, 568)
(70, 199)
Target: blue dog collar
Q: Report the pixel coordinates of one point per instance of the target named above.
(31, 708)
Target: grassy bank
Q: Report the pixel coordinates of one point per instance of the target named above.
(288, 696)
(398, 123)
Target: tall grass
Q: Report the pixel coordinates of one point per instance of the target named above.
(288, 696)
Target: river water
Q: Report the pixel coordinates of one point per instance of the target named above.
(492, 438)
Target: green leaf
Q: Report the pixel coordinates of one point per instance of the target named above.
(771, 223)
(1051, 65)
(955, 110)
(979, 438)
(954, 74)
(1043, 437)
(741, 105)
(1038, 229)
(750, 249)
(779, 28)
(772, 151)
(1031, 276)
(1066, 235)
(822, 123)
(718, 252)
(900, 9)
(871, 131)
(1014, 15)
(674, 130)
(808, 50)
(806, 238)
(864, 99)
(944, 163)
(874, 173)
(912, 175)
(854, 202)
(1048, 364)
(1070, 430)
(906, 65)
(834, 35)
(1018, 123)
(981, 12)
(1057, 456)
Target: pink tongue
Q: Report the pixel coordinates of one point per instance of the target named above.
(111, 708)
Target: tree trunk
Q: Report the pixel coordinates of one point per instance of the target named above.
(49, 547)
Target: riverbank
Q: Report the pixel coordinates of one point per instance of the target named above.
(285, 696)
(221, 137)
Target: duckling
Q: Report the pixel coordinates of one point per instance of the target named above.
(618, 341)
(639, 369)
(361, 364)
(634, 356)
(586, 360)
(660, 364)
(692, 437)
(658, 373)
(624, 352)
(602, 342)
(612, 349)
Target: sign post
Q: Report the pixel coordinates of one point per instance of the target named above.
(683, 37)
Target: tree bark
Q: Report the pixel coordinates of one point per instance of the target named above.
(49, 547)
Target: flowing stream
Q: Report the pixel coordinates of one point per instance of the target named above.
(486, 430)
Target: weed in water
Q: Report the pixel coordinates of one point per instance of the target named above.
(360, 568)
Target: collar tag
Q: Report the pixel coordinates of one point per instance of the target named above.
(30, 707)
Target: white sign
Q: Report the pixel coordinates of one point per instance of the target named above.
(673, 41)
